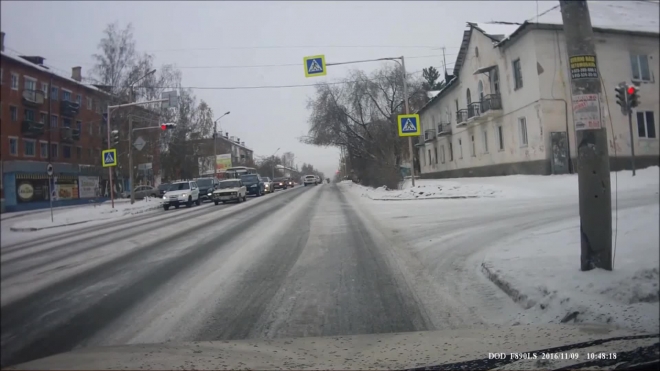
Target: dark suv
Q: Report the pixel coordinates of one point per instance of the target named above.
(280, 183)
(206, 187)
(253, 184)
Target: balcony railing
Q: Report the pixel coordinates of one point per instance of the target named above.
(69, 109)
(33, 97)
(474, 110)
(32, 128)
(491, 102)
(69, 134)
(444, 128)
(461, 116)
(429, 134)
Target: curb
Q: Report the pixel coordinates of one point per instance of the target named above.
(426, 198)
(13, 229)
(505, 286)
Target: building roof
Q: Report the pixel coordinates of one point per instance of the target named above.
(15, 57)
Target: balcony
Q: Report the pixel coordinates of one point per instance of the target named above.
(429, 135)
(33, 98)
(474, 110)
(32, 128)
(69, 109)
(491, 104)
(461, 117)
(444, 128)
(69, 135)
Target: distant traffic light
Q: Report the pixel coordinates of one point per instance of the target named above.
(633, 96)
(167, 126)
(622, 97)
(114, 138)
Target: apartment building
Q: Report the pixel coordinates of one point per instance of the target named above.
(507, 108)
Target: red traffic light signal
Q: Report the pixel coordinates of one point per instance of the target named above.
(163, 127)
(631, 90)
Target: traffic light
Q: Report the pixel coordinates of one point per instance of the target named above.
(114, 138)
(633, 96)
(622, 97)
(167, 126)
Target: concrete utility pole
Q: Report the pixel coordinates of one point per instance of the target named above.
(593, 160)
(130, 159)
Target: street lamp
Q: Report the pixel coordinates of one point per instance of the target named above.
(273, 159)
(215, 138)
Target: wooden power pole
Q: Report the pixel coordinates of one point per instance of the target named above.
(593, 160)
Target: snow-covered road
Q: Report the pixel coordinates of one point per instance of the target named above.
(309, 261)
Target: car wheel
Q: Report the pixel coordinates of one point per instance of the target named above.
(216, 202)
(190, 202)
(198, 202)
(224, 202)
(238, 201)
(176, 206)
(166, 207)
(245, 198)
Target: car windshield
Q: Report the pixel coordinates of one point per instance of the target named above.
(204, 182)
(279, 179)
(266, 179)
(164, 187)
(180, 186)
(249, 178)
(230, 184)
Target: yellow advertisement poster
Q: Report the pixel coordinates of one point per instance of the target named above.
(222, 162)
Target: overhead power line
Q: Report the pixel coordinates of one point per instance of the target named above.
(303, 47)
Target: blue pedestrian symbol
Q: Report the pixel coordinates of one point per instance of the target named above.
(314, 66)
(409, 125)
(109, 157)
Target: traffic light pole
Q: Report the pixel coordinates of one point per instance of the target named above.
(632, 142)
(595, 203)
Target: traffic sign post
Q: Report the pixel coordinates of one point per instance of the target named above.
(315, 66)
(51, 188)
(409, 125)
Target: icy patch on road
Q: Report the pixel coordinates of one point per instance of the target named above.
(541, 271)
(86, 214)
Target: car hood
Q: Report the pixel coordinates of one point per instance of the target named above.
(455, 349)
(176, 193)
(250, 183)
(235, 189)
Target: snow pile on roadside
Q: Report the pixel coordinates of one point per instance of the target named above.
(541, 271)
(85, 214)
(446, 189)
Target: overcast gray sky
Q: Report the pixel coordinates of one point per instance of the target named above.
(246, 33)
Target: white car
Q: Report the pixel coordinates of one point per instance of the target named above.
(229, 190)
(181, 193)
(309, 180)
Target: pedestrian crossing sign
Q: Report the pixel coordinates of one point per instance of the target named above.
(315, 66)
(409, 126)
(109, 157)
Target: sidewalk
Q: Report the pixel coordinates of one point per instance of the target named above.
(18, 214)
(541, 272)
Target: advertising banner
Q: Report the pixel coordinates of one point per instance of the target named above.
(32, 190)
(205, 165)
(66, 189)
(222, 162)
(88, 186)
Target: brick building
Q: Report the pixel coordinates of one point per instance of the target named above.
(64, 120)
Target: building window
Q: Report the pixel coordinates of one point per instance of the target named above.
(91, 128)
(44, 89)
(54, 150)
(13, 146)
(89, 153)
(500, 137)
(451, 151)
(517, 74)
(474, 146)
(28, 115)
(485, 140)
(90, 103)
(430, 159)
(78, 152)
(66, 151)
(2, 76)
(79, 126)
(43, 118)
(43, 149)
(66, 95)
(442, 154)
(460, 148)
(97, 154)
(14, 81)
(53, 121)
(640, 67)
(522, 126)
(79, 99)
(54, 93)
(435, 150)
(646, 124)
(66, 122)
(29, 83)
(13, 113)
(29, 149)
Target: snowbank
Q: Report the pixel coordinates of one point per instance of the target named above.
(85, 214)
(541, 271)
(510, 187)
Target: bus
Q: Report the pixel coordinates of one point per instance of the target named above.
(236, 172)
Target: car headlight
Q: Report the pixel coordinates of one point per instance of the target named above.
(209, 194)
(164, 197)
(184, 195)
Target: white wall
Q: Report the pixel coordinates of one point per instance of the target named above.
(613, 55)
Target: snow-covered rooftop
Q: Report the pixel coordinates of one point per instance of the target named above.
(640, 16)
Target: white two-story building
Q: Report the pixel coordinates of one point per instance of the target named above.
(507, 109)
